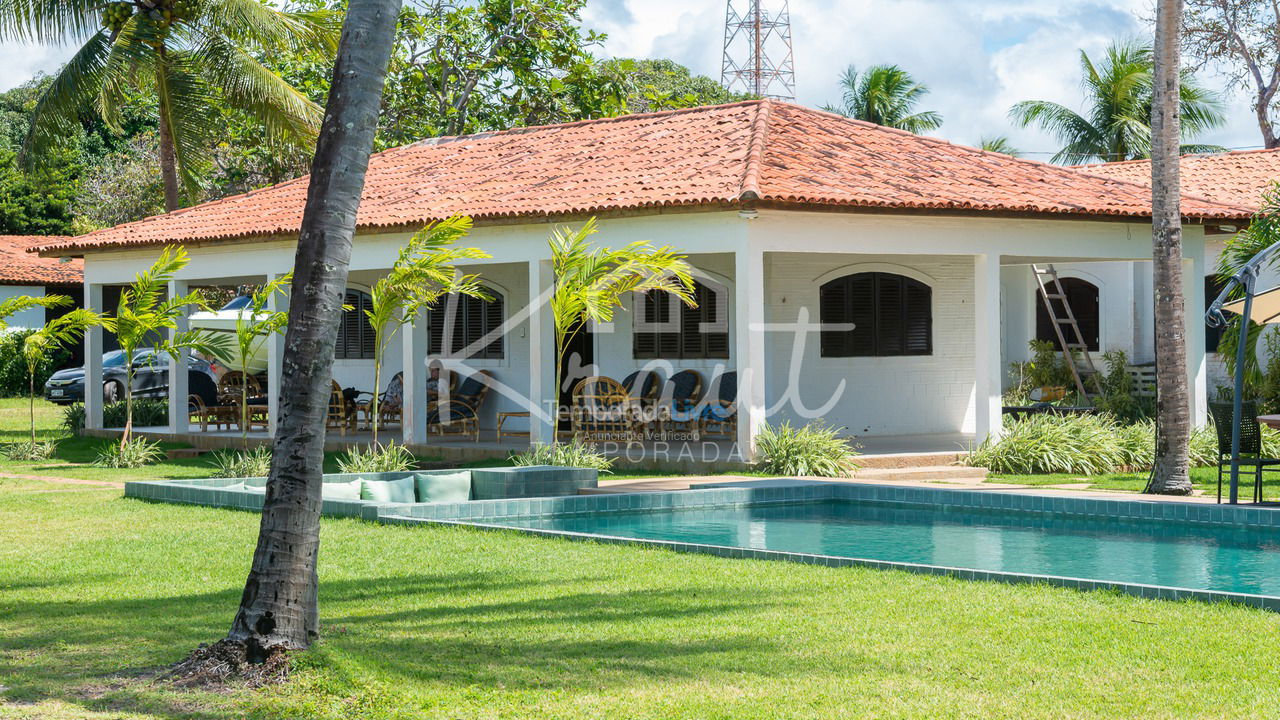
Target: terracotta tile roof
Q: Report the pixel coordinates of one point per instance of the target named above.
(723, 155)
(1235, 178)
(19, 267)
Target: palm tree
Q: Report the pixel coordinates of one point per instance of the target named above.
(999, 144)
(254, 325)
(885, 95)
(591, 281)
(422, 274)
(1262, 232)
(278, 609)
(1117, 121)
(192, 55)
(57, 333)
(144, 317)
(1171, 472)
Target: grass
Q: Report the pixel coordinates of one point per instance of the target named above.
(1204, 478)
(97, 592)
(460, 623)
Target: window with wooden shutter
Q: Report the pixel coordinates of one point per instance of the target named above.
(355, 335)
(890, 315)
(667, 328)
(1082, 295)
(469, 321)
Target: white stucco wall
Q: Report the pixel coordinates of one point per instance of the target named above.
(30, 318)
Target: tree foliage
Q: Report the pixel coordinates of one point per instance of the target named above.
(190, 55)
(1116, 122)
(1242, 38)
(885, 95)
(662, 84)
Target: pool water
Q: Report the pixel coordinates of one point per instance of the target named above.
(1171, 554)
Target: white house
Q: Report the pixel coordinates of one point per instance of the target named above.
(23, 273)
(903, 248)
(1236, 178)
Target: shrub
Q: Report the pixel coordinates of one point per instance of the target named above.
(255, 462)
(377, 458)
(1119, 395)
(1046, 443)
(572, 454)
(136, 453)
(814, 449)
(13, 366)
(30, 451)
(147, 412)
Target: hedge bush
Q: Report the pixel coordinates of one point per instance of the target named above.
(13, 368)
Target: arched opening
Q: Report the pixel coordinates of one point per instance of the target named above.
(1082, 296)
(890, 315)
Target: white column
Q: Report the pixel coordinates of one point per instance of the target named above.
(749, 299)
(275, 358)
(93, 361)
(178, 381)
(543, 395)
(1197, 368)
(986, 346)
(413, 345)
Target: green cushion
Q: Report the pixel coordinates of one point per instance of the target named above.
(342, 490)
(443, 486)
(395, 491)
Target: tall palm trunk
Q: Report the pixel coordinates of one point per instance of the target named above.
(168, 154)
(1173, 410)
(278, 610)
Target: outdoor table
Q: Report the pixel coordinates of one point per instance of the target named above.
(1271, 421)
(502, 419)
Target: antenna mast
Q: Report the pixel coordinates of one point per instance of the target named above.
(757, 50)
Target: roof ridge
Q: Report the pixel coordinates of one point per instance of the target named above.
(1183, 156)
(755, 152)
(525, 129)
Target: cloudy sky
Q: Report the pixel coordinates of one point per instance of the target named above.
(978, 56)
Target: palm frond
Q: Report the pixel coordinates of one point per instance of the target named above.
(74, 89)
(288, 116)
(250, 23)
(187, 99)
(11, 306)
(49, 21)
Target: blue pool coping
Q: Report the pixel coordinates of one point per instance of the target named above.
(488, 514)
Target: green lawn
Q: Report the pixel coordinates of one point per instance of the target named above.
(96, 591)
(1204, 478)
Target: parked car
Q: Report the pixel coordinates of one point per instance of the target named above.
(150, 379)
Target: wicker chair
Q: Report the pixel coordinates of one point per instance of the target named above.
(1251, 461)
(719, 413)
(231, 384)
(460, 412)
(341, 415)
(602, 410)
(643, 386)
(390, 403)
(678, 403)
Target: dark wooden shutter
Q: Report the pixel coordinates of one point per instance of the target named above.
(890, 306)
(919, 318)
(644, 344)
(716, 343)
(833, 307)
(355, 336)
(435, 326)
(690, 339)
(493, 317)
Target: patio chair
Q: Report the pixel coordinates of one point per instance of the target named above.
(460, 411)
(677, 405)
(1252, 463)
(341, 415)
(230, 384)
(390, 403)
(198, 412)
(602, 410)
(719, 415)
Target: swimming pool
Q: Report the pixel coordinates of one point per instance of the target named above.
(1146, 548)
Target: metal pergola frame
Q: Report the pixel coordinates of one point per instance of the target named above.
(1245, 278)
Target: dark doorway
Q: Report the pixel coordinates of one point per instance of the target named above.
(1082, 295)
(579, 361)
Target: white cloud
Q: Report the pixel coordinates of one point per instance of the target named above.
(23, 61)
(978, 56)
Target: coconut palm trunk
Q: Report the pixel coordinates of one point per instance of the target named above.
(168, 152)
(1173, 409)
(278, 611)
